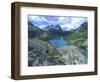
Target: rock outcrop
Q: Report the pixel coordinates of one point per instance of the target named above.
(72, 55)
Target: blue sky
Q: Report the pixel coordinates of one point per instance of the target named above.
(66, 22)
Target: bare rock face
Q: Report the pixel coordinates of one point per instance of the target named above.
(72, 55)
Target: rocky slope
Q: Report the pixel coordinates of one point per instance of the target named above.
(79, 36)
(72, 55)
(40, 53)
(53, 29)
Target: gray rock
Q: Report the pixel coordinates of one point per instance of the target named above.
(72, 55)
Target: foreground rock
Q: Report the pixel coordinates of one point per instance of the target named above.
(72, 55)
(41, 53)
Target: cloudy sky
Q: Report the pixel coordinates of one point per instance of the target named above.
(66, 22)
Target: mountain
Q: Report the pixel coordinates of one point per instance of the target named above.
(33, 31)
(56, 29)
(29, 23)
(79, 36)
(83, 27)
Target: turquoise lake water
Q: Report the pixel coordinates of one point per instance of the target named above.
(58, 42)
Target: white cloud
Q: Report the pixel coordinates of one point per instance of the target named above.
(75, 23)
(66, 23)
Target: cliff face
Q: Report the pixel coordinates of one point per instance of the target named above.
(72, 55)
